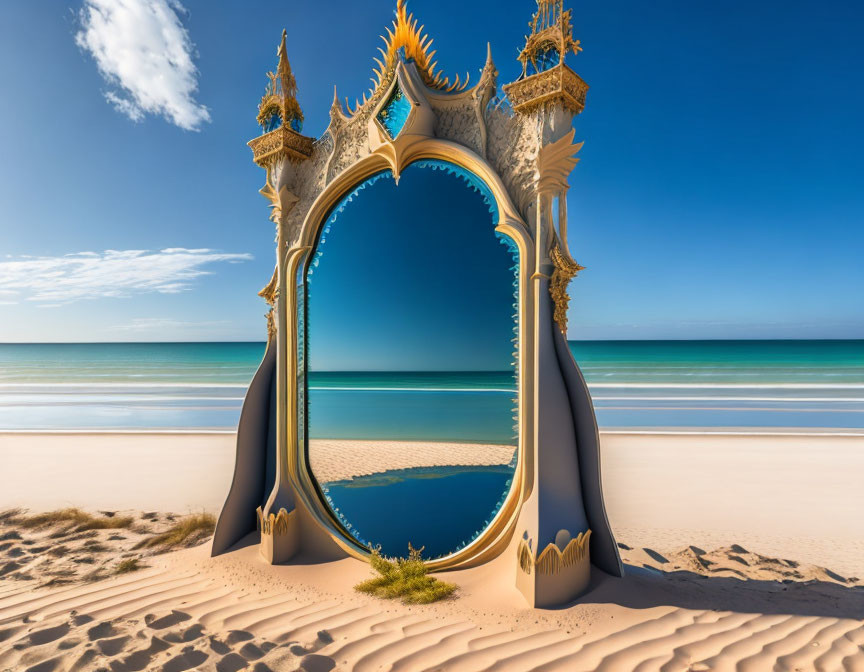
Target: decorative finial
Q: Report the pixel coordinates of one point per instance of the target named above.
(406, 35)
(551, 38)
(546, 78)
(336, 109)
(280, 116)
(279, 104)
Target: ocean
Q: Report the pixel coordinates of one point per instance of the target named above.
(636, 386)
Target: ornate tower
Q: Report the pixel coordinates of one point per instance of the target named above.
(280, 150)
(546, 79)
(565, 505)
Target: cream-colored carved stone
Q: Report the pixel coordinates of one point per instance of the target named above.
(555, 162)
(519, 156)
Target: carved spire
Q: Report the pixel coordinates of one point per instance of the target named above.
(279, 104)
(546, 79)
(280, 116)
(337, 112)
(551, 37)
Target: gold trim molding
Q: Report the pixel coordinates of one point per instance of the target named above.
(274, 524)
(557, 85)
(552, 559)
(565, 270)
(283, 142)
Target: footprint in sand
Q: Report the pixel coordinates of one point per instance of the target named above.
(236, 636)
(9, 567)
(251, 652)
(80, 619)
(183, 636)
(168, 621)
(101, 631)
(220, 648)
(111, 647)
(48, 634)
(47, 665)
(231, 663)
(317, 663)
(185, 661)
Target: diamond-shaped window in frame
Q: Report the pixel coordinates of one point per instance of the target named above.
(394, 114)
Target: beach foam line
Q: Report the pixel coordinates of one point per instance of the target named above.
(734, 398)
(125, 432)
(732, 408)
(742, 386)
(122, 385)
(412, 389)
(754, 431)
(636, 431)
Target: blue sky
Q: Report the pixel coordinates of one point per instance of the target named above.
(720, 193)
(447, 301)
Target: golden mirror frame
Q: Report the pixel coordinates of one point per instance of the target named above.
(523, 155)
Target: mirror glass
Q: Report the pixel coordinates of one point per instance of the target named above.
(410, 357)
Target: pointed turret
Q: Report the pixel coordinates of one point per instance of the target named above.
(280, 116)
(546, 78)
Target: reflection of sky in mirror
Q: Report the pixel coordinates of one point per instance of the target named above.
(412, 278)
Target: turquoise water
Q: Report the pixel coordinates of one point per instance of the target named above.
(641, 385)
(421, 509)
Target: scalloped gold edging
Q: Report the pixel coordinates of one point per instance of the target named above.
(274, 524)
(552, 559)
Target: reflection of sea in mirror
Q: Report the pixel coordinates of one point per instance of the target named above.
(411, 316)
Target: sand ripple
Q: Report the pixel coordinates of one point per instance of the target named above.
(234, 613)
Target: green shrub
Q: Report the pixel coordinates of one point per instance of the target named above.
(405, 578)
(126, 566)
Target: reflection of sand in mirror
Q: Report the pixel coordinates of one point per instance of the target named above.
(411, 373)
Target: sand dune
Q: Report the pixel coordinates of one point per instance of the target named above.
(685, 609)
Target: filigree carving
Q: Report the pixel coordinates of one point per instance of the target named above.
(269, 292)
(281, 200)
(557, 85)
(274, 524)
(512, 146)
(406, 35)
(280, 98)
(565, 270)
(457, 121)
(280, 115)
(271, 323)
(550, 27)
(556, 161)
(553, 559)
(281, 143)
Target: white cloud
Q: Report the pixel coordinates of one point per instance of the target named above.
(53, 281)
(144, 52)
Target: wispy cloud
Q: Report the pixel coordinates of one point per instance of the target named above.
(114, 273)
(145, 54)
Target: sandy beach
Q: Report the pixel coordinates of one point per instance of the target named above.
(743, 552)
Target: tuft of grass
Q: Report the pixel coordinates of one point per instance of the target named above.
(81, 520)
(130, 565)
(405, 578)
(188, 530)
(10, 515)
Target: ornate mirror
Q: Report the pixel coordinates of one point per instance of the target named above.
(411, 344)
(417, 387)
